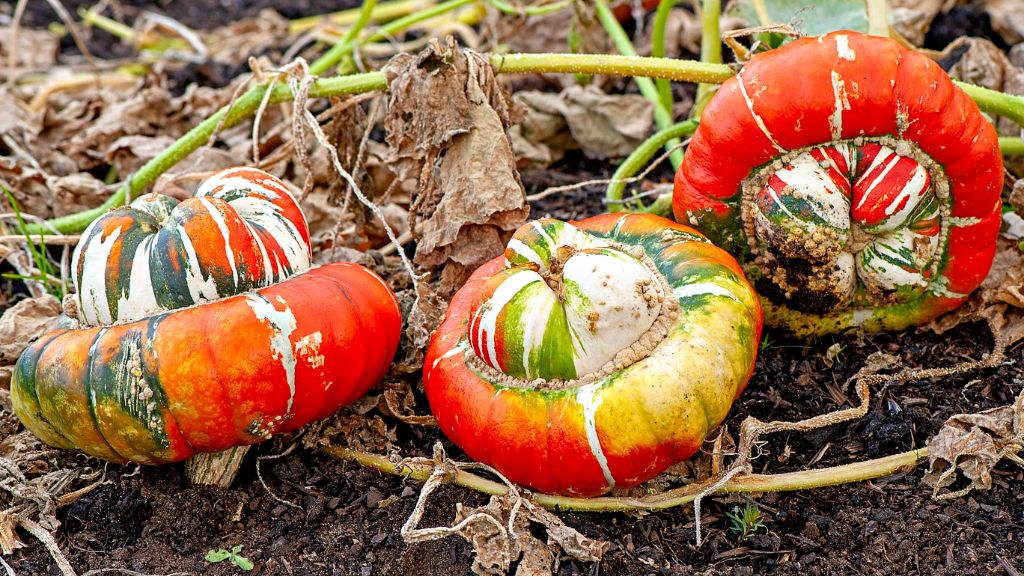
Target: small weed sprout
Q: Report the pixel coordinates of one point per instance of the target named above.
(745, 521)
(234, 556)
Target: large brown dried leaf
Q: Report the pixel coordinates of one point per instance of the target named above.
(446, 127)
(979, 61)
(912, 18)
(974, 443)
(23, 323)
(601, 125)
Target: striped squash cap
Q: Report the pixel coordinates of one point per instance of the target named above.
(593, 354)
(857, 183)
(202, 326)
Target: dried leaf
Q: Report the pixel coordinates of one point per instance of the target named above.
(235, 42)
(34, 49)
(912, 18)
(601, 125)
(23, 323)
(128, 153)
(979, 61)
(973, 444)
(1007, 19)
(446, 127)
(495, 547)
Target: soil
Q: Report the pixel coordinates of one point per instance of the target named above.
(307, 513)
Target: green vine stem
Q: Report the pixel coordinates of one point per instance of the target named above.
(639, 158)
(1011, 145)
(748, 483)
(878, 18)
(658, 48)
(344, 47)
(710, 50)
(383, 12)
(662, 115)
(993, 102)
(540, 10)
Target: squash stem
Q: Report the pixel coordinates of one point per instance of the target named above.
(538, 10)
(658, 48)
(639, 158)
(878, 18)
(710, 51)
(663, 116)
(743, 483)
(1011, 145)
(382, 12)
(347, 43)
(996, 103)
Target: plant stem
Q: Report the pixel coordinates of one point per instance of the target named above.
(710, 50)
(662, 115)
(383, 12)
(878, 19)
(92, 17)
(344, 47)
(791, 481)
(658, 48)
(1011, 145)
(391, 29)
(507, 8)
(996, 103)
(611, 65)
(640, 156)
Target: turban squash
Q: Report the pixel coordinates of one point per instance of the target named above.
(857, 183)
(202, 326)
(595, 354)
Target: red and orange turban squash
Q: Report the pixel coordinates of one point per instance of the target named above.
(202, 326)
(857, 183)
(594, 354)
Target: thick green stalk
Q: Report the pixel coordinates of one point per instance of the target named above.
(511, 10)
(393, 28)
(791, 481)
(612, 65)
(639, 158)
(663, 117)
(996, 103)
(1011, 145)
(658, 48)
(384, 11)
(710, 50)
(344, 47)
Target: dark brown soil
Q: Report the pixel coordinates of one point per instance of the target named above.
(314, 515)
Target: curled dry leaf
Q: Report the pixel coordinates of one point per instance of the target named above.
(446, 125)
(23, 323)
(1007, 19)
(912, 18)
(973, 444)
(601, 125)
(235, 42)
(496, 548)
(979, 61)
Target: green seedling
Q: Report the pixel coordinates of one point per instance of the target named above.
(745, 521)
(234, 556)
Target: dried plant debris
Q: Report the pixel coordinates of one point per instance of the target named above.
(502, 532)
(446, 124)
(32, 49)
(972, 444)
(601, 125)
(1007, 19)
(23, 323)
(912, 18)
